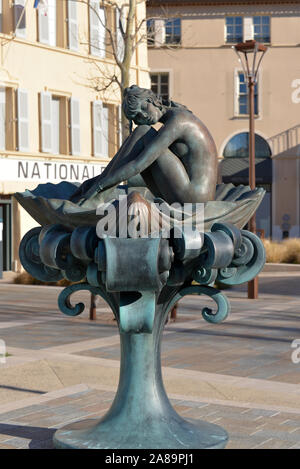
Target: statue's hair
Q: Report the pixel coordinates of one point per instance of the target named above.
(134, 94)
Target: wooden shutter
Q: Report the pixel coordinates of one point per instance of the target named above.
(105, 133)
(97, 29)
(43, 23)
(46, 122)
(248, 28)
(119, 37)
(159, 32)
(23, 120)
(75, 126)
(19, 12)
(52, 21)
(56, 131)
(10, 119)
(97, 127)
(100, 129)
(102, 31)
(2, 118)
(94, 43)
(72, 25)
(120, 130)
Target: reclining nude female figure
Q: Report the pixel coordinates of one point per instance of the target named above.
(178, 163)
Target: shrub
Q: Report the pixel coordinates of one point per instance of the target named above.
(292, 246)
(286, 251)
(25, 278)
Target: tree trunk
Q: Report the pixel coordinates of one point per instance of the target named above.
(125, 65)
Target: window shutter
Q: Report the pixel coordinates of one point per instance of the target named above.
(119, 37)
(159, 32)
(44, 30)
(72, 25)
(94, 48)
(46, 122)
(97, 30)
(19, 12)
(102, 31)
(55, 132)
(52, 21)
(248, 28)
(2, 118)
(104, 134)
(23, 120)
(100, 127)
(75, 126)
(120, 125)
(97, 127)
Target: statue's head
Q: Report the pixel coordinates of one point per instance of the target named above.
(142, 106)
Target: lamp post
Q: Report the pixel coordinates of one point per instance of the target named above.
(246, 51)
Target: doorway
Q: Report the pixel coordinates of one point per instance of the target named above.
(6, 209)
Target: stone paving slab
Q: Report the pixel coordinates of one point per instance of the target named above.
(247, 428)
(238, 374)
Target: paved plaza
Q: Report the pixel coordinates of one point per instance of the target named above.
(238, 374)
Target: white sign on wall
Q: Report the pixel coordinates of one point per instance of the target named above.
(46, 171)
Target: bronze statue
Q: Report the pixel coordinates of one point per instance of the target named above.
(178, 163)
(140, 276)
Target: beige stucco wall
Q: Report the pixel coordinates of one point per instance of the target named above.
(36, 67)
(202, 73)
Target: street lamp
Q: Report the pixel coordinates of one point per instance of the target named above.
(250, 54)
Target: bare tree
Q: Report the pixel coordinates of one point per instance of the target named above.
(122, 38)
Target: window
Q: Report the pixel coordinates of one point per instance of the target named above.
(60, 124)
(261, 28)
(239, 29)
(150, 32)
(14, 119)
(97, 29)
(47, 24)
(13, 17)
(7, 233)
(55, 102)
(100, 129)
(160, 32)
(72, 25)
(120, 24)
(20, 18)
(173, 31)
(160, 84)
(58, 24)
(238, 147)
(234, 29)
(242, 96)
(106, 129)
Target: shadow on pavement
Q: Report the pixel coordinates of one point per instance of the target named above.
(14, 388)
(289, 286)
(40, 437)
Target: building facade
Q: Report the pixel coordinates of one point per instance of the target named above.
(192, 61)
(54, 123)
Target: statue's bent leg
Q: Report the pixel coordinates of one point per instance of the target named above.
(169, 175)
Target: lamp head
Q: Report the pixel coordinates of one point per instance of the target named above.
(243, 50)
